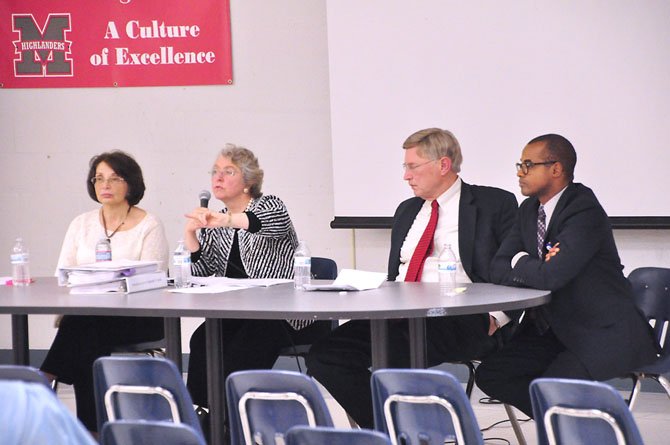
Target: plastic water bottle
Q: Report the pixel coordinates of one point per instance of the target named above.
(103, 250)
(20, 259)
(446, 271)
(181, 266)
(302, 266)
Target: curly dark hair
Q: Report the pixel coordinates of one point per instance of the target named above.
(124, 166)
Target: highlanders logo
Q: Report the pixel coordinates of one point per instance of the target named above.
(42, 51)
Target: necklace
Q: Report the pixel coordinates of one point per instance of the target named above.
(104, 223)
(251, 201)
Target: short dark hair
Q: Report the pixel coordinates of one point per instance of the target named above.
(123, 165)
(560, 149)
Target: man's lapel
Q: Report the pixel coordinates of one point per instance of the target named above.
(556, 215)
(467, 219)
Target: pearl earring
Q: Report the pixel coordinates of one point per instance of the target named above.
(246, 190)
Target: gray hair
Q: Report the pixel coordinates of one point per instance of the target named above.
(247, 162)
(435, 143)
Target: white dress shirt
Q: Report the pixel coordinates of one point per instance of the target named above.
(446, 232)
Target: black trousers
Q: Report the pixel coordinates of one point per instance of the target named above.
(247, 344)
(80, 340)
(506, 374)
(341, 361)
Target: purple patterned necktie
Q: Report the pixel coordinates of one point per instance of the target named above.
(541, 230)
(538, 314)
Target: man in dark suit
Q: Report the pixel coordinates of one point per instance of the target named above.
(562, 241)
(474, 221)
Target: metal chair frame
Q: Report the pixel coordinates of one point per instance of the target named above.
(509, 410)
(141, 387)
(584, 414)
(606, 416)
(145, 390)
(259, 395)
(651, 286)
(436, 394)
(423, 400)
(269, 402)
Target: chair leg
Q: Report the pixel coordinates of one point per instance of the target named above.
(664, 383)
(471, 378)
(637, 384)
(352, 422)
(515, 424)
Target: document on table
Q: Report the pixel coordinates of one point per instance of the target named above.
(127, 285)
(104, 271)
(215, 285)
(351, 279)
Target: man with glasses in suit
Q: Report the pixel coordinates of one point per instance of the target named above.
(562, 241)
(445, 210)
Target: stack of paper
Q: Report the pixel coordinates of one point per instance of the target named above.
(351, 279)
(215, 285)
(123, 276)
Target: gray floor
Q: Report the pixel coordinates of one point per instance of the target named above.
(651, 412)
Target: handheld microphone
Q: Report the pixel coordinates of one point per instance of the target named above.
(204, 198)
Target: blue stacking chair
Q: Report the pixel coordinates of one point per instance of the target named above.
(141, 388)
(264, 404)
(321, 435)
(322, 269)
(130, 432)
(23, 373)
(651, 287)
(580, 412)
(419, 406)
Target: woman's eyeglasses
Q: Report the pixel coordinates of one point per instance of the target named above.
(113, 180)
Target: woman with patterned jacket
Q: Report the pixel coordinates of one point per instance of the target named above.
(252, 237)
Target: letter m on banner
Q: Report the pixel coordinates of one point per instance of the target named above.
(42, 51)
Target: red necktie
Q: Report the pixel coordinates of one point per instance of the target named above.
(424, 248)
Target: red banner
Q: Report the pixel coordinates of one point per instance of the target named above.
(109, 43)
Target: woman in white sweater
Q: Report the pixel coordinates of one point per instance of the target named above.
(115, 181)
